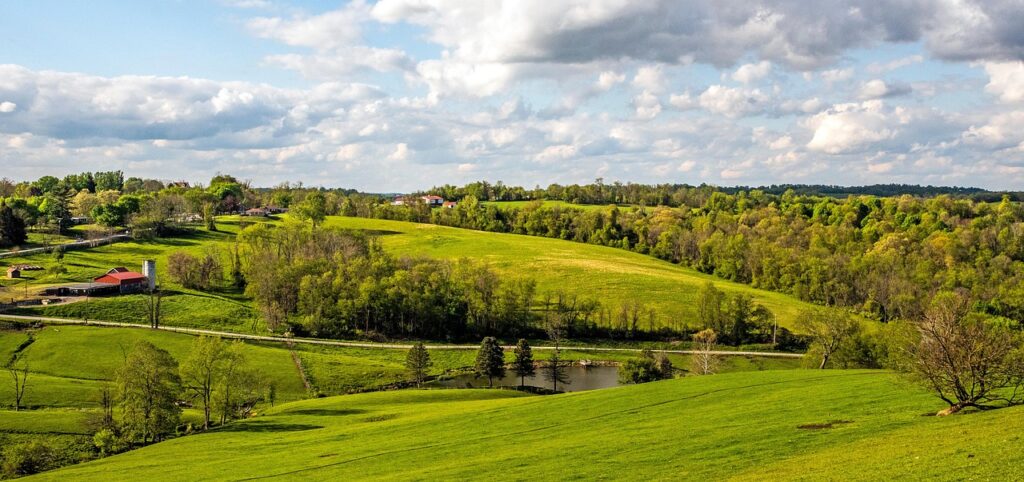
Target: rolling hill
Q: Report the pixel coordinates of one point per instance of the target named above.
(796, 424)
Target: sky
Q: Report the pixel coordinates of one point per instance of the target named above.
(399, 95)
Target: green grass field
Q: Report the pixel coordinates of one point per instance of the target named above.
(612, 276)
(838, 425)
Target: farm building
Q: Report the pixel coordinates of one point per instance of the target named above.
(449, 204)
(13, 272)
(432, 201)
(82, 289)
(126, 281)
(256, 212)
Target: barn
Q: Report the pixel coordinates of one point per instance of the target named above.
(126, 281)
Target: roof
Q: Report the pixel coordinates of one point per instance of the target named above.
(433, 198)
(119, 269)
(125, 276)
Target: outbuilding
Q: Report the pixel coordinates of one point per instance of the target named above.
(126, 281)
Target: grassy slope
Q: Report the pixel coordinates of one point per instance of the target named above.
(224, 310)
(737, 425)
(612, 275)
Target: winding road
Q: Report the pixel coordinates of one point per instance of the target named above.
(358, 344)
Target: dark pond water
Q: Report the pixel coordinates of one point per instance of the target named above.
(581, 378)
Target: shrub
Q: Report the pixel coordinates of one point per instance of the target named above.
(27, 458)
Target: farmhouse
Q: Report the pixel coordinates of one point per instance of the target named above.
(431, 200)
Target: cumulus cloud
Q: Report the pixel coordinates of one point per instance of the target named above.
(733, 102)
(1006, 80)
(847, 128)
(878, 89)
(749, 73)
(7, 107)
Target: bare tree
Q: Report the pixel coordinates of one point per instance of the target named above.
(19, 370)
(828, 328)
(153, 307)
(705, 361)
(967, 362)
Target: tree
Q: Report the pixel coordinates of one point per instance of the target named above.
(490, 360)
(709, 307)
(556, 370)
(964, 360)
(240, 388)
(27, 458)
(523, 364)
(12, 227)
(640, 370)
(418, 362)
(705, 361)
(153, 298)
(148, 390)
(828, 329)
(313, 208)
(202, 370)
(19, 370)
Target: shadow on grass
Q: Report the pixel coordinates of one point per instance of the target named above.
(266, 427)
(326, 412)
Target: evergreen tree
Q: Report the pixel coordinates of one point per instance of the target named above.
(418, 362)
(555, 371)
(490, 360)
(12, 227)
(523, 366)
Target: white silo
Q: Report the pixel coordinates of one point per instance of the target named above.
(149, 271)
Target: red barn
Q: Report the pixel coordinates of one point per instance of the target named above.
(126, 281)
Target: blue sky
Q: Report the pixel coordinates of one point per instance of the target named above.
(403, 94)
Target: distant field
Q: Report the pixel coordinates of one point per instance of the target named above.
(838, 425)
(612, 276)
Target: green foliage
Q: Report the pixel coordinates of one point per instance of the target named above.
(27, 458)
(148, 389)
(418, 362)
(490, 360)
(313, 208)
(12, 227)
(555, 370)
(645, 368)
(523, 364)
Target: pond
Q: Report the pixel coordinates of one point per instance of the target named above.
(580, 379)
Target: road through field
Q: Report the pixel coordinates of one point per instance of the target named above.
(357, 344)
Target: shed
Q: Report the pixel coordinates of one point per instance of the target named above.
(13, 272)
(126, 281)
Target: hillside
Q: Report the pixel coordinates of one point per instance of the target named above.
(851, 425)
(612, 276)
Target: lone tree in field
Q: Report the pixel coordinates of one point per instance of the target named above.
(18, 368)
(828, 328)
(313, 208)
(203, 369)
(523, 365)
(555, 371)
(967, 362)
(705, 361)
(490, 360)
(418, 362)
(148, 390)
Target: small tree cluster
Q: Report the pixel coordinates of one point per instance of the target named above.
(648, 367)
(194, 272)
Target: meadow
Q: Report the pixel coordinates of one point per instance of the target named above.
(609, 275)
(779, 425)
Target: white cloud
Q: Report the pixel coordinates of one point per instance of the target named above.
(849, 128)
(7, 107)
(1001, 131)
(1006, 80)
(878, 89)
(732, 102)
(609, 79)
(647, 105)
(749, 73)
(650, 78)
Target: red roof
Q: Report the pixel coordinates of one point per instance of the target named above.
(433, 198)
(121, 277)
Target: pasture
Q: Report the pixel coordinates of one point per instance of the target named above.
(780, 425)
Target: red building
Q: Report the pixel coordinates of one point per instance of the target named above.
(126, 281)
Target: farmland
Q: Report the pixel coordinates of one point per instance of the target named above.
(854, 425)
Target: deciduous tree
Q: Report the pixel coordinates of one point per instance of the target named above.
(149, 388)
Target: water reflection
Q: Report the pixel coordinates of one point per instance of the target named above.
(581, 378)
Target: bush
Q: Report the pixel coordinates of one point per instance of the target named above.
(646, 368)
(27, 458)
